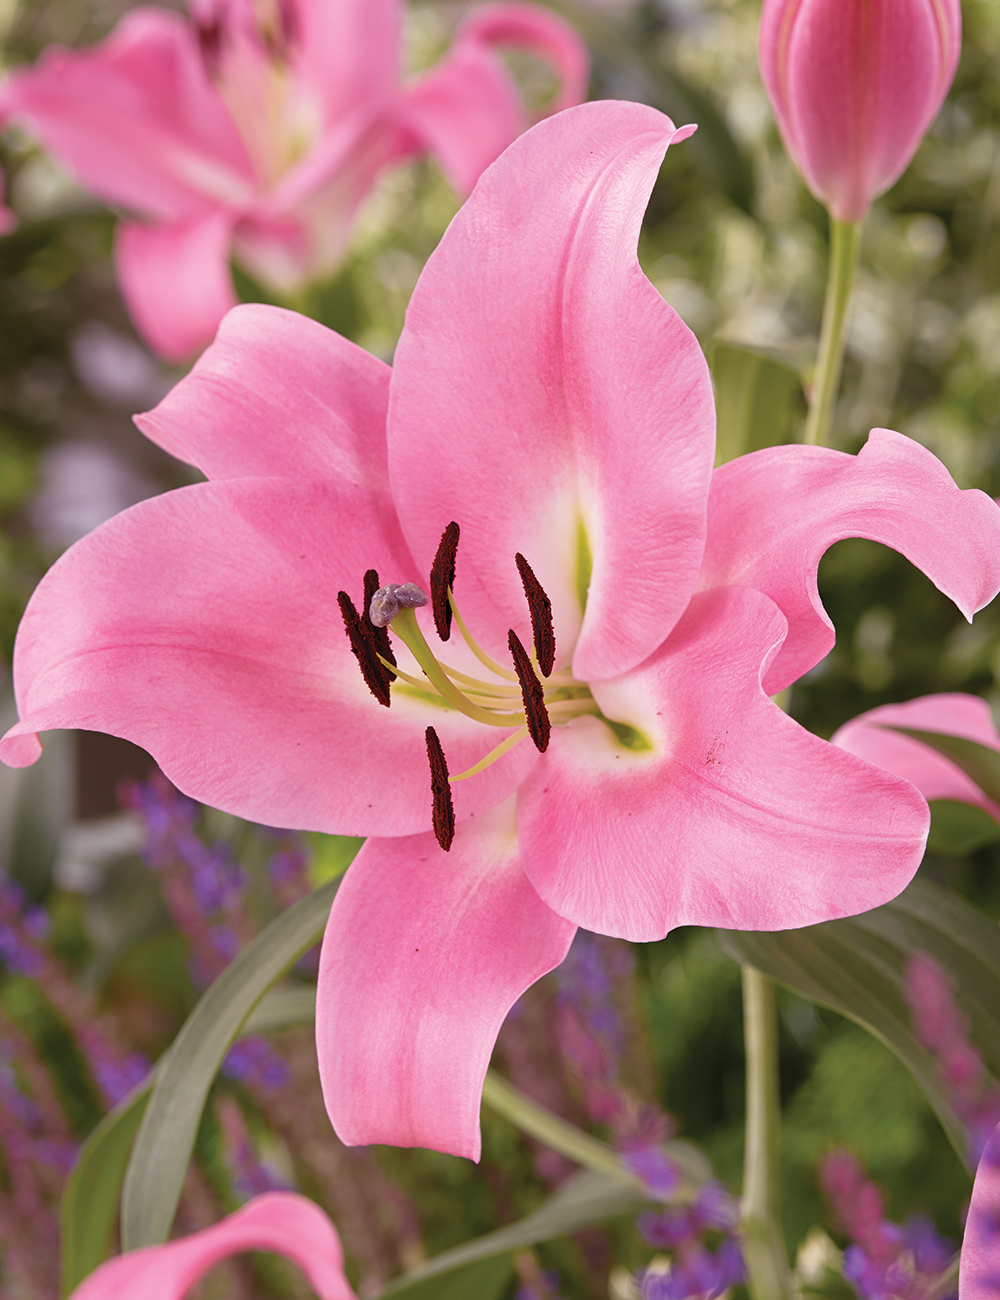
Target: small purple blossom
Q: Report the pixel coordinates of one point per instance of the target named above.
(941, 1027)
(254, 1061)
(699, 1274)
(884, 1261)
(654, 1168)
(117, 1078)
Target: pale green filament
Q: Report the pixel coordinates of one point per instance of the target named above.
(493, 755)
(447, 687)
(407, 629)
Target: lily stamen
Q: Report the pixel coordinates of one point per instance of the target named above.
(532, 693)
(489, 759)
(443, 816)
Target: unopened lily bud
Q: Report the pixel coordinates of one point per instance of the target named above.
(855, 84)
(390, 599)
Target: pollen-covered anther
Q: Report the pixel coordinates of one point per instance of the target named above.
(443, 816)
(536, 715)
(540, 609)
(362, 641)
(390, 599)
(443, 579)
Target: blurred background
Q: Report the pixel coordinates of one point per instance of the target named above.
(121, 901)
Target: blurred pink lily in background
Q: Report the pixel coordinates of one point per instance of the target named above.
(257, 127)
(936, 777)
(979, 1267)
(855, 84)
(546, 401)
(283, 1223)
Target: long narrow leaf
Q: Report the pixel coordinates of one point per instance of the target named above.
(89, 1208)
(857, 967)
(166, 1136)
(584, 1200)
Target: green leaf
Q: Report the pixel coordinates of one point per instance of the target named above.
(89, 1207)
(959, 828)
(756, 394)
(978, 762)
(486, 1279)
(560, 1135)
(857, 968)
(165, 1140)
(582, 1201)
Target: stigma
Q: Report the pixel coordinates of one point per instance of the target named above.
(526, 699)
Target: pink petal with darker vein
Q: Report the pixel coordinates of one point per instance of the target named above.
(203, 625)
(735, 816)
(278, 394)
(774, 513)
(558, 408)
(424, 954)
(933, 774)
(283, 1223)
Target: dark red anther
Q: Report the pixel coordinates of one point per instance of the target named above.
(443, 577)
(540, 608)
(535, 713)
(363, 647)
(444, 809)
(379, 635)
(209, 36)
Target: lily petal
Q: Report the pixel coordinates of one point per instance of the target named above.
(283, 1223)
(424, 954)
(933, 774)
(137, 119)
(979, 1267)
(533, 28)
(467, 109)
(203, 625)
(176, 281)
(773, 513)
(560, 398)
(465, 112)
(278, 394)
(349, 52)
(735, 816)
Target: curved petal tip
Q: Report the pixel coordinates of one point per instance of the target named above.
(19, 748)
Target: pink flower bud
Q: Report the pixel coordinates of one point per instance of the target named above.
(855, 84)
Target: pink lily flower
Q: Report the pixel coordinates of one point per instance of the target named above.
(855, 84)
(979, 1265)
(283, 1223)
(545, 400)
(257, 127)
(935, 776)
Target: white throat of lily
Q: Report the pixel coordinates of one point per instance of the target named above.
(532, 698)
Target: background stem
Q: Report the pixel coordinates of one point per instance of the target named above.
(769, 1276)
(844, 243)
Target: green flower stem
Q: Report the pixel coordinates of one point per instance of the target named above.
(769, 1277)
(537, 1122)
(844, 241)
(556, 1133)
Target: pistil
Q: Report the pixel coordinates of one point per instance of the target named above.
(494, 703)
